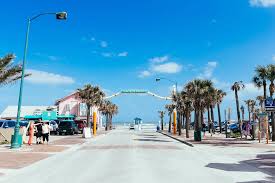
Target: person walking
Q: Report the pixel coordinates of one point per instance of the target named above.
(39, 133)
(45, 132)
(32, 127)
(31, 132)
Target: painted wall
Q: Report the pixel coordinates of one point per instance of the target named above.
(74, 106)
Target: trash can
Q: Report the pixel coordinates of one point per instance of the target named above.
(197, 135)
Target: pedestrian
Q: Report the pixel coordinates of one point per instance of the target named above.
(46, 132)
(39, 133)
(32, 127)
(31, 132)
(203, 129)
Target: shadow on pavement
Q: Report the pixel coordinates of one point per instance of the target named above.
(264, 163)
(151, 140)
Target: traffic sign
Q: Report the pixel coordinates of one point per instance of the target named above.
(269, 104)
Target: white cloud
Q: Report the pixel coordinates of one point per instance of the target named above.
(157, 65)
(208, 70)
(122, 54)
(273, 58)
(103, 44)
(156, 60)
(262, 3)
(42, 77)
(144, 74)
(107, 54)
(169, 68)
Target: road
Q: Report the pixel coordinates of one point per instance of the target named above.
(135, 157)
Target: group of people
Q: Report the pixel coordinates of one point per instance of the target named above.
(41, 130)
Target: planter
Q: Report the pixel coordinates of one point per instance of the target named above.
(87, 133)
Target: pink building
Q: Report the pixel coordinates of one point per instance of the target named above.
(71, 105)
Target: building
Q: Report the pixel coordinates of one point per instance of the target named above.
(10, 113)
(71, 105)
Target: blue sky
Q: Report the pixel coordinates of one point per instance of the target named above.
(125, 45)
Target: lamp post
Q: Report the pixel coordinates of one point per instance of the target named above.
(174, 82)
(175, 92)
(16, 140)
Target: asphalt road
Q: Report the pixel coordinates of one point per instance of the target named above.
(125, 156)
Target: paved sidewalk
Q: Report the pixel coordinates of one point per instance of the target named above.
(218, 139)
(27, 155)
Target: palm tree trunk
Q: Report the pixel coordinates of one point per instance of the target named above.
(212, 119)
(238, 110)
(161, 123)
(88, 116)
(106, 126)
(182, 120)
(196, 124)
(187, 124)
(219, 116)
(170, 120)
(180, 123)
(209, 118)
(264, 86)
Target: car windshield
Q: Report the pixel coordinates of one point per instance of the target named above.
(11, 123)
(65, 124)
(1, 123)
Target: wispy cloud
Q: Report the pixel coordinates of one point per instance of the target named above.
(156, 60)
(262, 3)
(103, 44)
(273, 58)
(107, 54)
(208, 70)
(144, 74)
(122, 54)
(168, 68)
(161, 65)
(43, 77)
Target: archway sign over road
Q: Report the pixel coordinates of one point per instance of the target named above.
(123, 92)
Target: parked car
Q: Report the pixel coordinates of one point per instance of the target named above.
(67, 127)
(234, 127)
(80, 124)
(8, 124)
(54, 127)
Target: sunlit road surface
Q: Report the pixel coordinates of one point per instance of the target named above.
(128, 156)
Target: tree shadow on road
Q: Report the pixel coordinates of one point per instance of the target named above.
(264, 163)
(151, 140)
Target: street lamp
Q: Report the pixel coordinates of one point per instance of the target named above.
(174, 82)
(17, 138)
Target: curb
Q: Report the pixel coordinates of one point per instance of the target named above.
(182, 141)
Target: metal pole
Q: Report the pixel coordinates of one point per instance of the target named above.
(17, 138)
(94, 123)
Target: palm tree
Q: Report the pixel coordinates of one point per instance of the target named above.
(113, 110)
(9, 72)
(261, 100)
(271, 78)
(92, 96)
(197, 91)
(104, 108)
(170, 108)
(220, 95)
(236, 87)
(260, 78)
(251, 108)
(161, 115)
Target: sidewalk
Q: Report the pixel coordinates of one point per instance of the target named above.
(218, 139)
(27, 155)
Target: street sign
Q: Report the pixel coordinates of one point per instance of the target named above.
(262, 114)
(270, 104)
